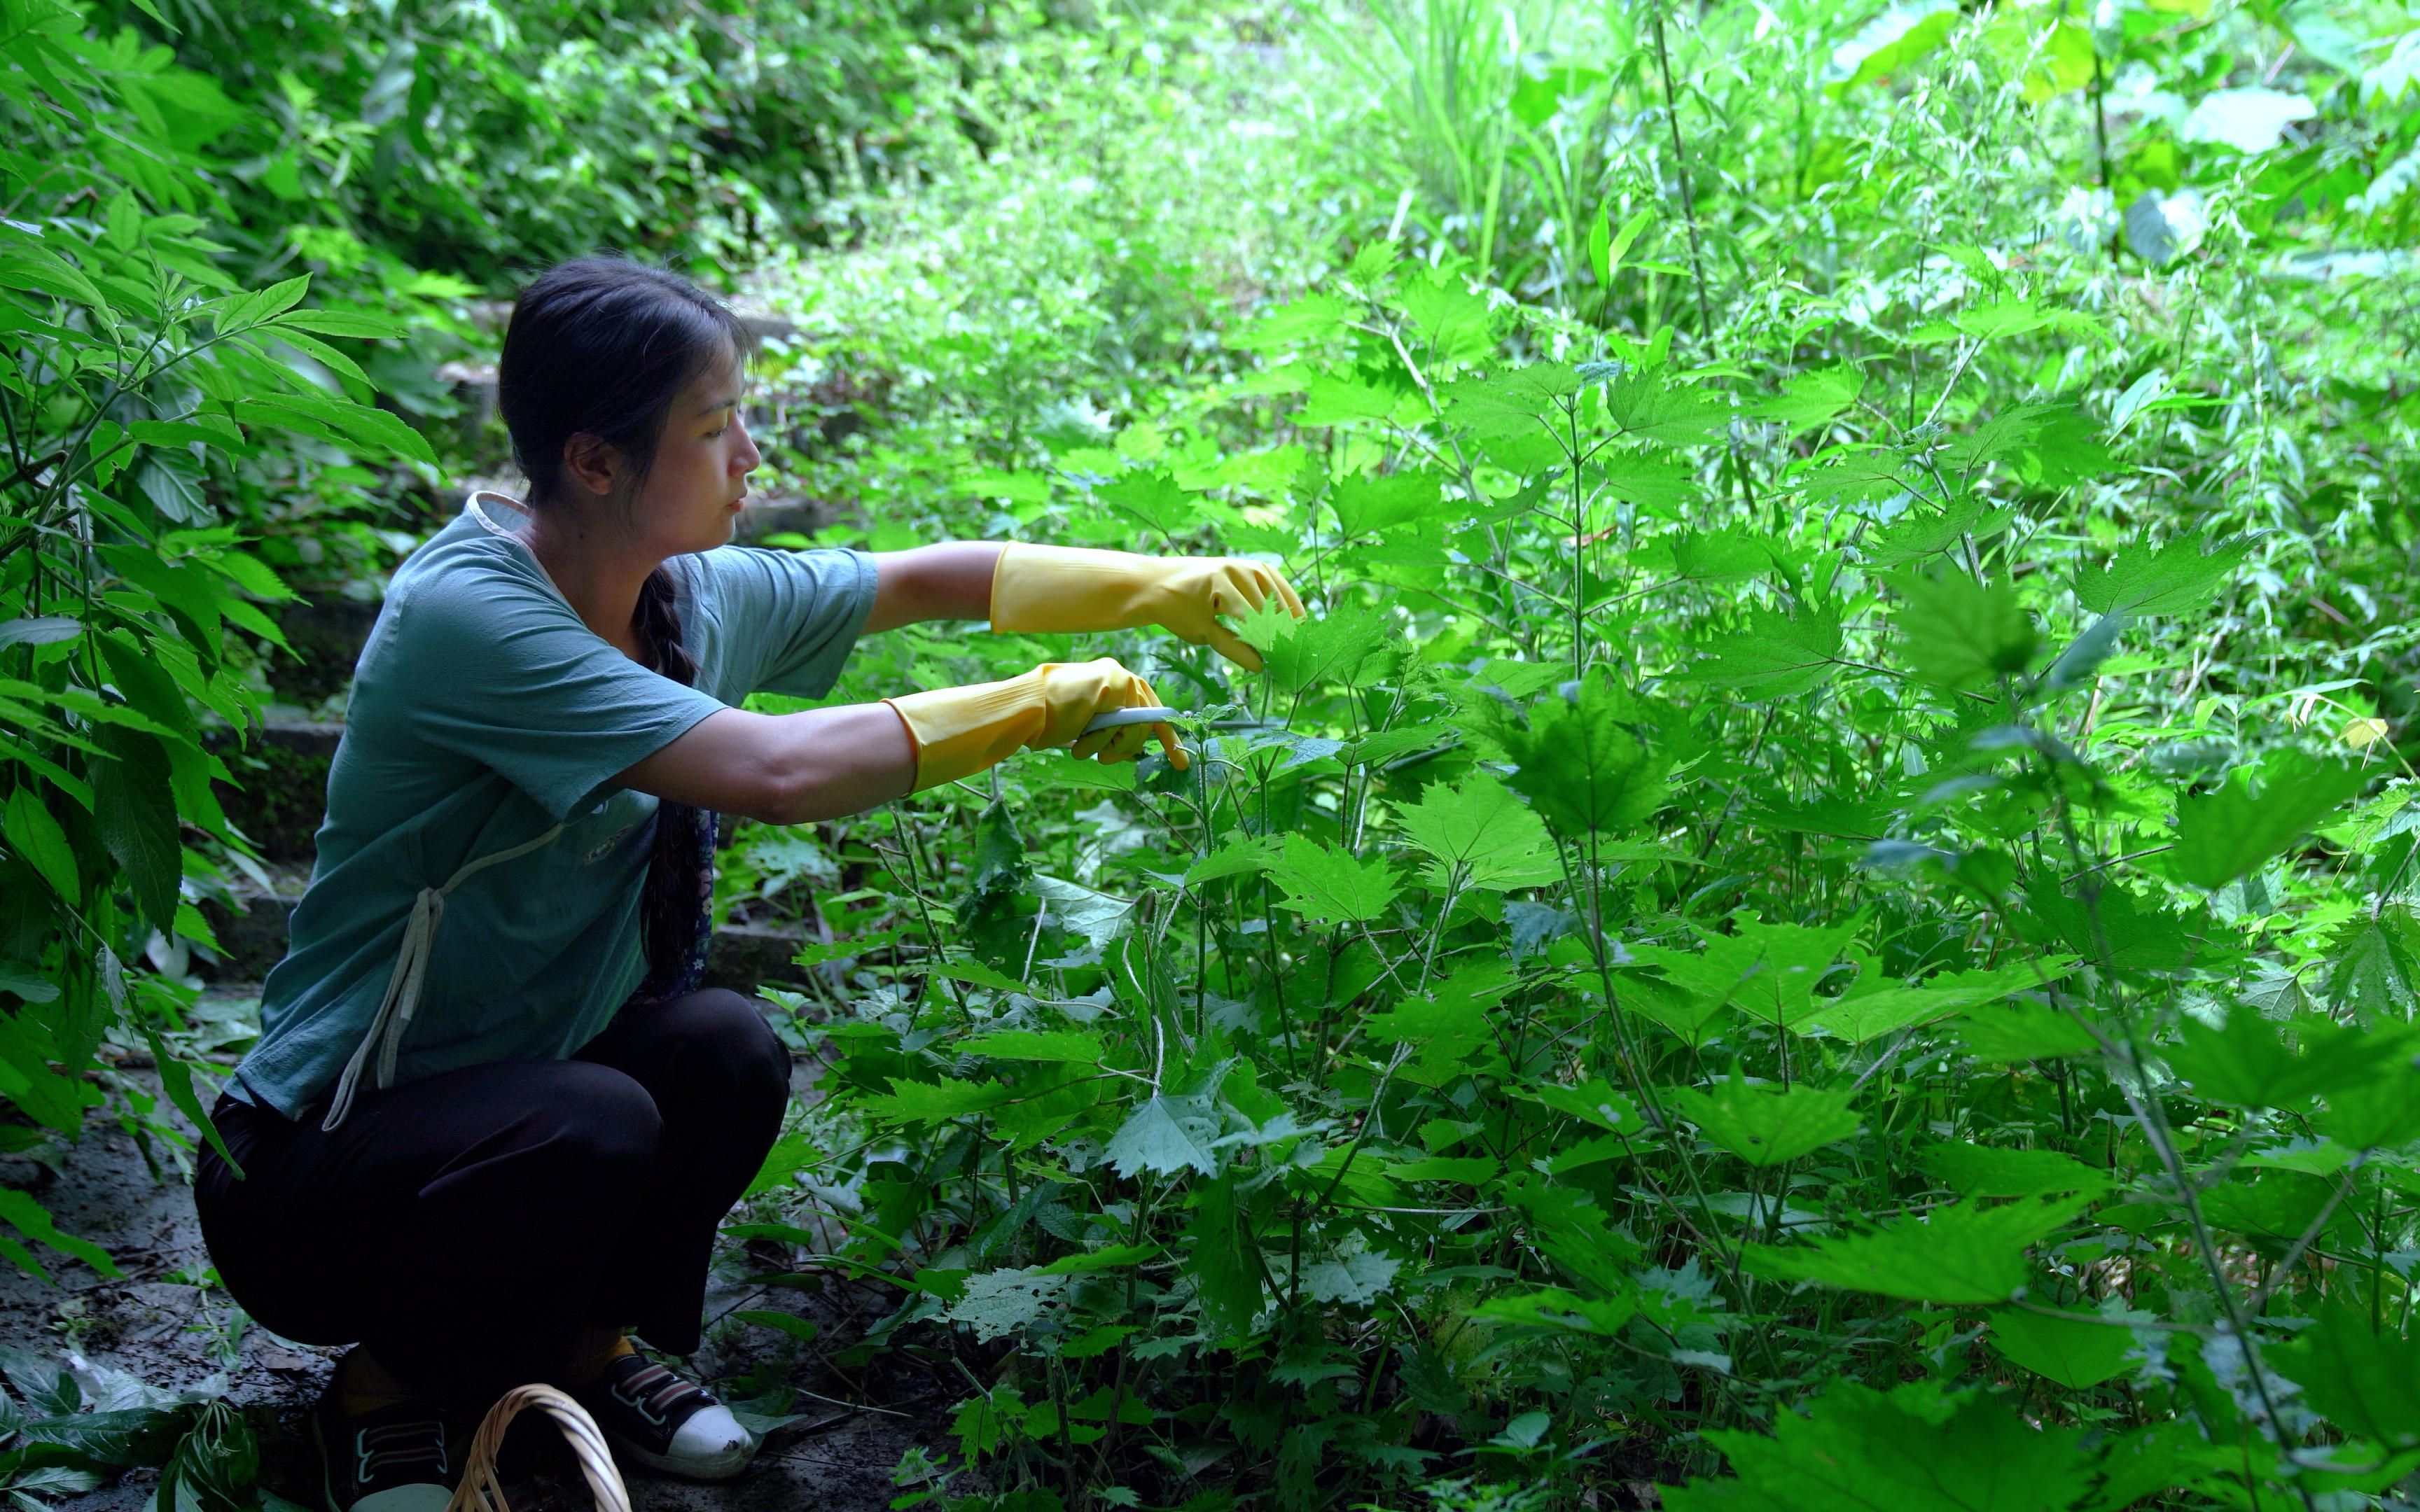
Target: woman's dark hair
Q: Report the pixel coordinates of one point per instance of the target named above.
(602, 347)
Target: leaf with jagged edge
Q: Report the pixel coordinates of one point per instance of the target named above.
(1965, 1252)
(1766, 1126)
(2231, 831)
(1580, 768)
(2177, 578)
(1332, 886)
(1777, 656)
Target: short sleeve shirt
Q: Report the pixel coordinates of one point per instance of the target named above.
(484, 712)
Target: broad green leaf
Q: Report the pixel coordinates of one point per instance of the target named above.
(135, 804)
(1766, 1126)
(935, 1103)
(1222, 1259)
(1479, 826)
(1593, 1100)
(1777, 656)
(2247, 1064)
(2142, 579)
(2075, 1354)
(975, 974)
(1252, 852)
(1314, 320)
(1954, 632)
(1984, 1171)
(1580, 769)
(1165, 1135)
(1916, 1449)
(1647, 405)
(1914, 537)
(1962, 1254)
(1664, 486)
(2374, 1115)
(177, 1079)
(2025, 1032)
(1862, 1016)
(1332, 887)
(1335, 646)
(1731, 552)
(1812, 399)
(2229, 832)
(34, 835)
(2366, 1380)
(1453, 1018)
(21, 1212)
(1780, 965)
(1342, 399)
(1524, 404)
(40, 630)
(1369, 505)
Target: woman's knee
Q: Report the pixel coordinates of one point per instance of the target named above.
(727, 1048)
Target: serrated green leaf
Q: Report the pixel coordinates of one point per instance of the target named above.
(2228, 833)
(2075, 1354)
(1778, 656)
(1165, 1135)
(34, 835)
(1953, 631)
(2142, 579)
(1962, 1254)
(1332, 887)
(1766, 1126)
(1983, 1171)
(1580, 769)
(1479, 826)
(1917, 1449)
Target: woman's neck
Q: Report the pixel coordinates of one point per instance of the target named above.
(597, 572)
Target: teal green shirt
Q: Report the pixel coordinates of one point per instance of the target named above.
(484, 711)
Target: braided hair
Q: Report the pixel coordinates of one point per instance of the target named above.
(602, 347)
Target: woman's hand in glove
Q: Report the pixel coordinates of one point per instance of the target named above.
(961, 730)
(1057, 588)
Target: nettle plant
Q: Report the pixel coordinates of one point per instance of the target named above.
(129, 614)
(1718, 946)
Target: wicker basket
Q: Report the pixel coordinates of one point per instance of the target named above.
(480, 1492)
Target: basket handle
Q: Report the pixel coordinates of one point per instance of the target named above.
(481, 1491)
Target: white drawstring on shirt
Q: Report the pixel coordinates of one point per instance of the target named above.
(403, 986)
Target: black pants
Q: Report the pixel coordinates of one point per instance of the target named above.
(466, 1225)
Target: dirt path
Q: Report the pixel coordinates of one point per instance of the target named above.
(157, 1322)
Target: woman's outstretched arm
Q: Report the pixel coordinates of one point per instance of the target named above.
(948, 581)
(785, 768)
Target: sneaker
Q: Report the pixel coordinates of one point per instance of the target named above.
(665, 1421)
(405, 1457)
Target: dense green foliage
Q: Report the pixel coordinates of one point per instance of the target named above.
(1823, 915)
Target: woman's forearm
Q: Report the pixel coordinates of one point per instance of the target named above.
(785, 768)
(948, 581)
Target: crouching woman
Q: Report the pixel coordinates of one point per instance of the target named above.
(493, 1118)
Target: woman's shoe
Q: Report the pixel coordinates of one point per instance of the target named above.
(664, 1420)
(401, 1458)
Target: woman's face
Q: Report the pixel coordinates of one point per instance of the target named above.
(691, 495)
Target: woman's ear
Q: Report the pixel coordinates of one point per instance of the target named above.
(591, 463)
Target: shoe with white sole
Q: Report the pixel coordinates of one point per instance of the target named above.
(404, 1458)
(665, 1421)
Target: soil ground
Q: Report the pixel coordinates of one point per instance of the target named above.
(155, 1321)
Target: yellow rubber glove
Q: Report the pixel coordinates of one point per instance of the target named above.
(1042, 588)
(962, 731)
